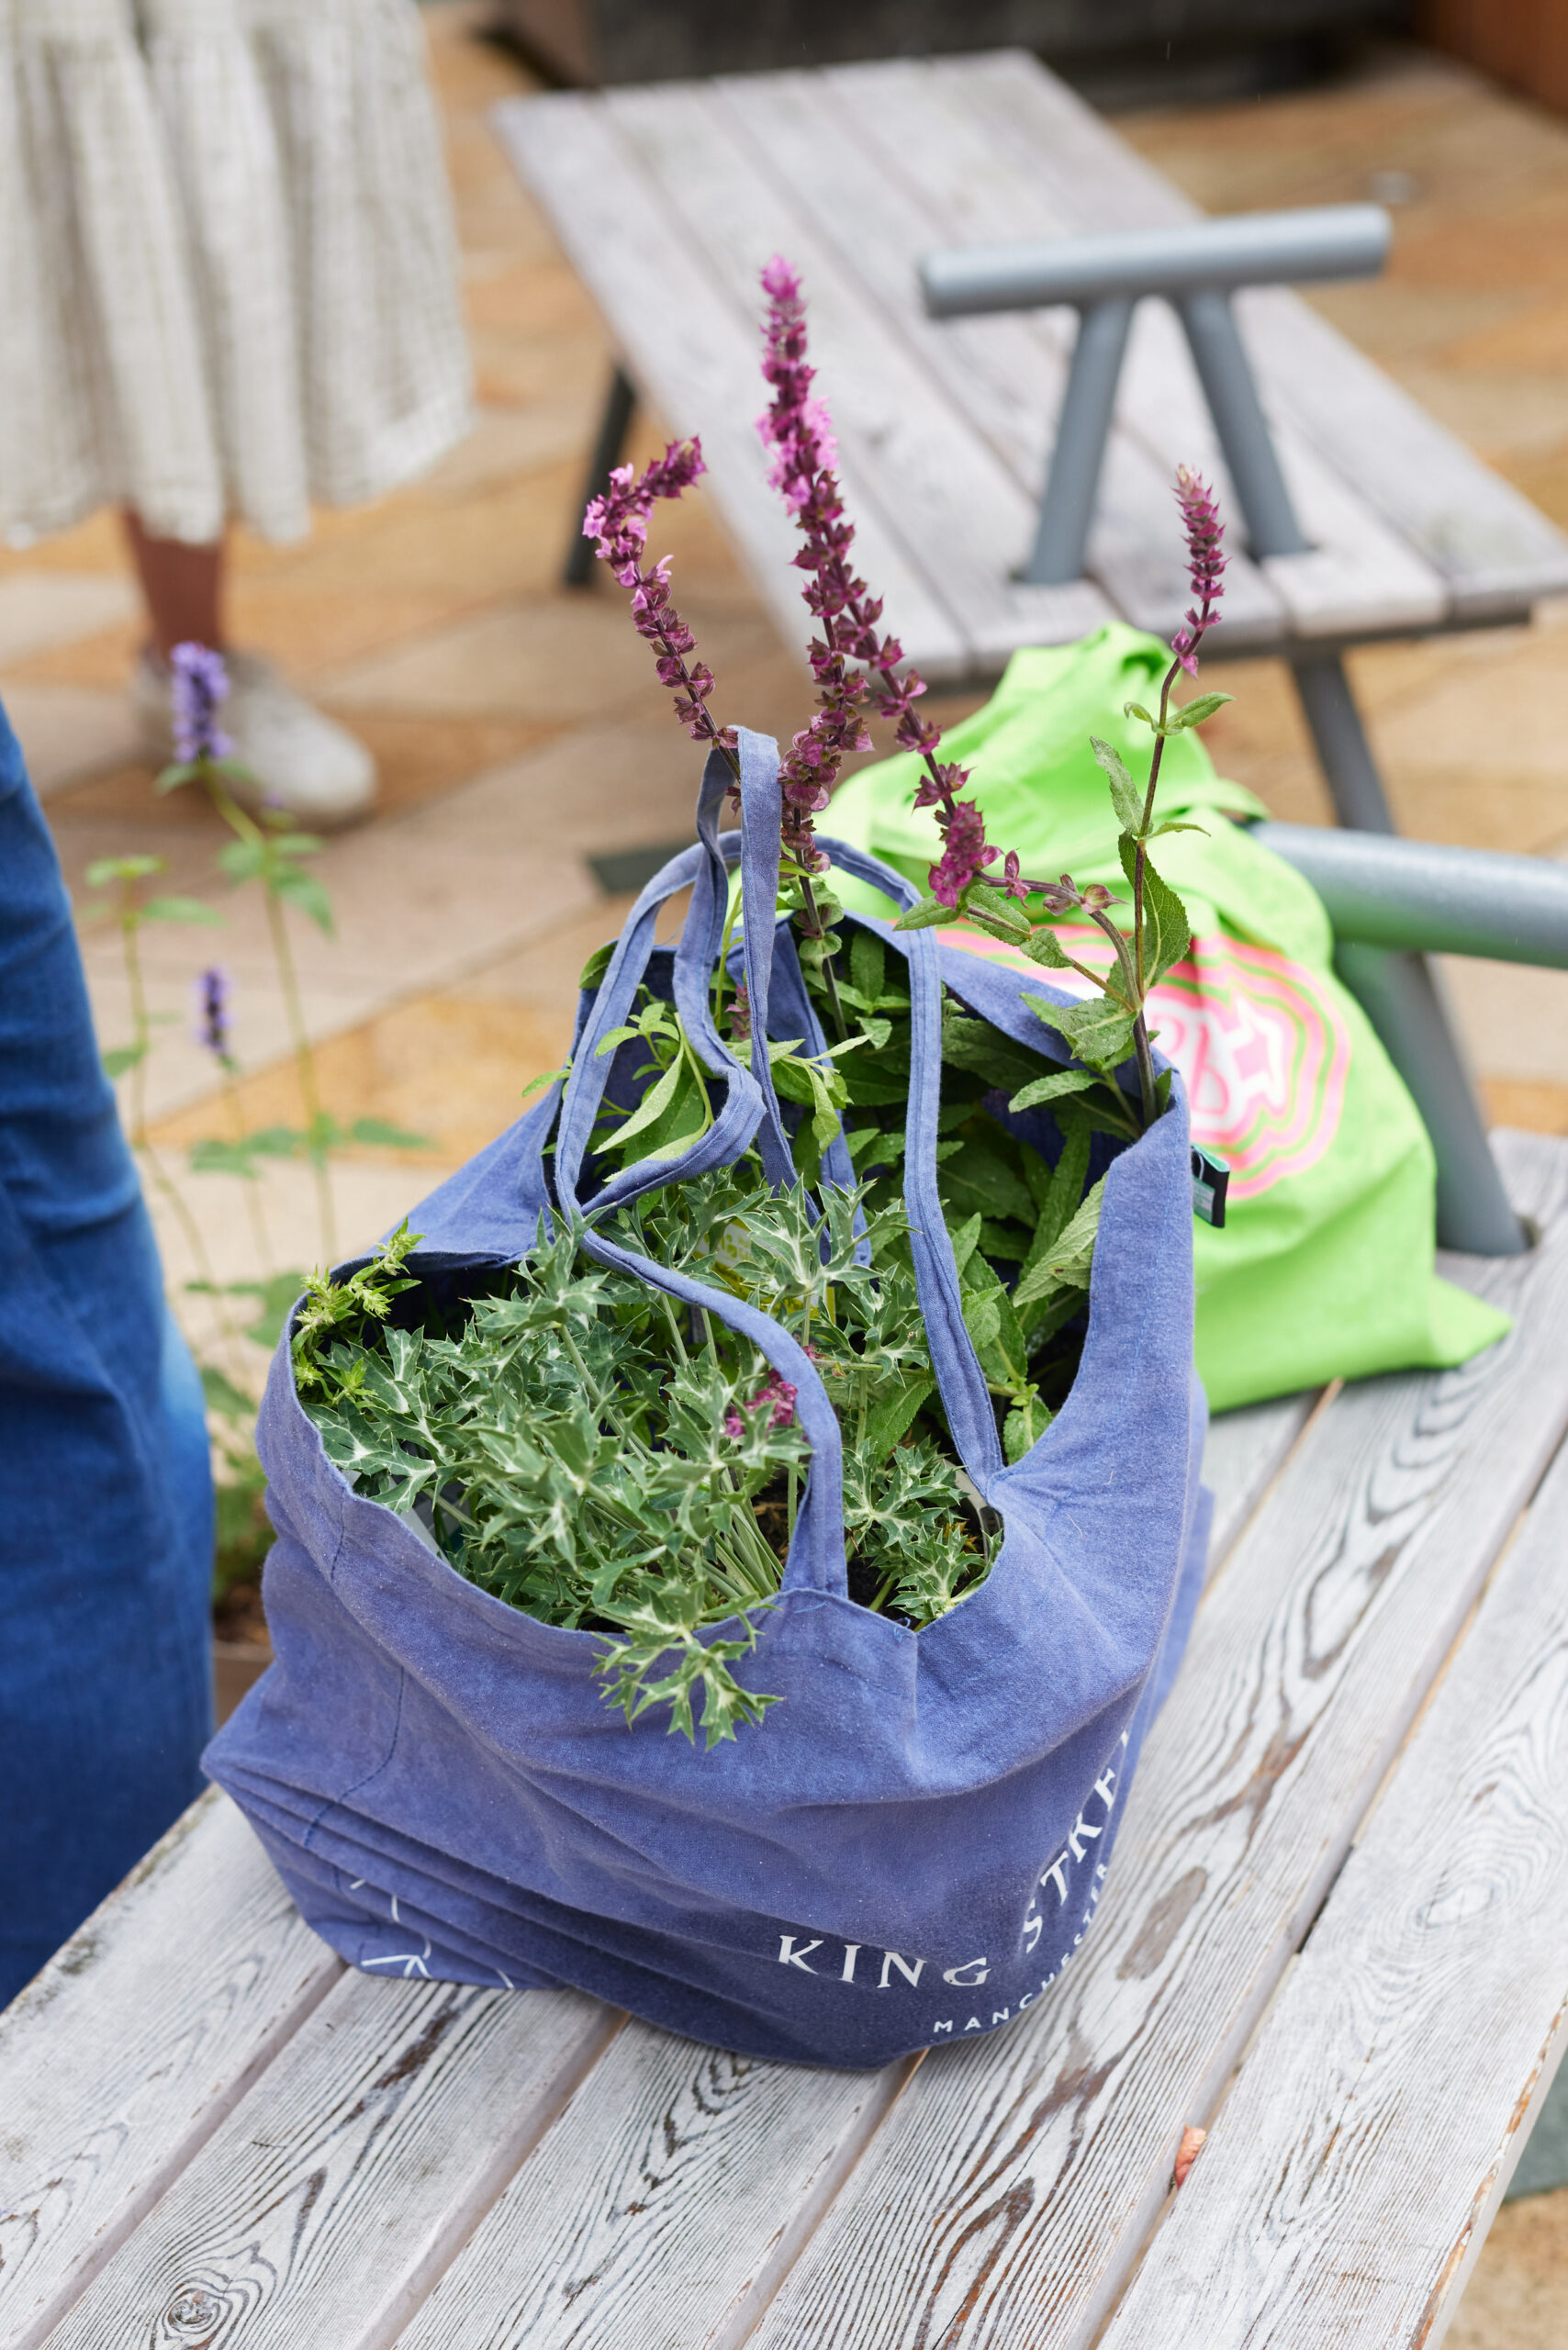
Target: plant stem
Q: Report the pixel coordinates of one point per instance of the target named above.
(305, 1064)
(169, 1191)
(252, 1183)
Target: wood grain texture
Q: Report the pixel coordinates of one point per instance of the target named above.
(333, 2196)
(1494, 549)
(123, 2056)
(1349, 2180)
(1244, 1454)
(692, 350)
(899, 144)
(906, 454)
(1010, 2192)
(662, 2207)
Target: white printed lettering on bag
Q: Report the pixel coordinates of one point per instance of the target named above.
(911, 1974)
(851, 1952)
(789, 1956)
(966, 1975)
(943, 2027)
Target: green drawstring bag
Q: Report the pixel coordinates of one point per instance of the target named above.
(1323, 1268)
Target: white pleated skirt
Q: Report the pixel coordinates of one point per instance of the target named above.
(228, 271)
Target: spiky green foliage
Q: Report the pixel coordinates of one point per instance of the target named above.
(603, 1458)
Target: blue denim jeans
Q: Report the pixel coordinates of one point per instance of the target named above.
(106, 1495)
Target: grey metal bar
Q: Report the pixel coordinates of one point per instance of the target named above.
(1249, 453)
(1294, 248)
(1393, 893)
(1400, 996)
(619, 401)
(1343, 752)
(1082, 429)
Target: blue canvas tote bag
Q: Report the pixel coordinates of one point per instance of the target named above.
(908, 1850)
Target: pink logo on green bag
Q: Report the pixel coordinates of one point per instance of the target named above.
(1262, 1051)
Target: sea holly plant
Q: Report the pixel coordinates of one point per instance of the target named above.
(577, 1445)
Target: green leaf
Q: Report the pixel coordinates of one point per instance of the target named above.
(188, 909)
(655, 1105)
(890, 1417)
(547, 1076)
(1136, 709)
(305, 892)
(105, 869)
(231, 1403)
(297, 843)
(217, 1157)
(1195, 712)
(1045, 947)
(1051, 1088)
(1024, 1424)
(121, 1057)
(1069, 1262)
(1100, 1032)
(593, 973)
(991, 912)
(985, 1051)
(242, 860)
(387, 1137)
(926, 915)
(1125, 797)
(1178, 828)
(867, 965)
(275, 1296)
(182, 771)
(1167, 933)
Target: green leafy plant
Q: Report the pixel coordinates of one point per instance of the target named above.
(590, 1452)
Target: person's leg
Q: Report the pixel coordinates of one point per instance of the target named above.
(182, 585)
(295, 757)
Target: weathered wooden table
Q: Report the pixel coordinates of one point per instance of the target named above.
(1335, 1933)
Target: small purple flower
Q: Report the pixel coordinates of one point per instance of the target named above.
(964, 850)
(777, 1391)
(618, 525)
(199, 683)
(1206, 562)
(212, 995)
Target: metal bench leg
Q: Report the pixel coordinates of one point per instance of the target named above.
(1068, 507)
(1343, 752)
(614, 426)
(1402, 996)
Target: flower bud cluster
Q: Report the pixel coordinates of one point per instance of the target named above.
(618, 523)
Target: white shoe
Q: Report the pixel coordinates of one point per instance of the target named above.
(297, 757)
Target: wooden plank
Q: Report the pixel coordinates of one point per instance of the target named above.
(906, 452)
(125, 2055)
(901, 143)
(693, 351)
(1009, 2193)
(1494, 549)
(1245, 1452)
(1359, 574)
(663, 2207)
(333, 2196)
(1349, 2181)
(1003, 373)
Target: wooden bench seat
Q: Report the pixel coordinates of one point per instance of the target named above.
(1335, 1933)
(668, 198)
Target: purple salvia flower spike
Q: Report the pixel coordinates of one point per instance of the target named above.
(212, 990)
(199, 683)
